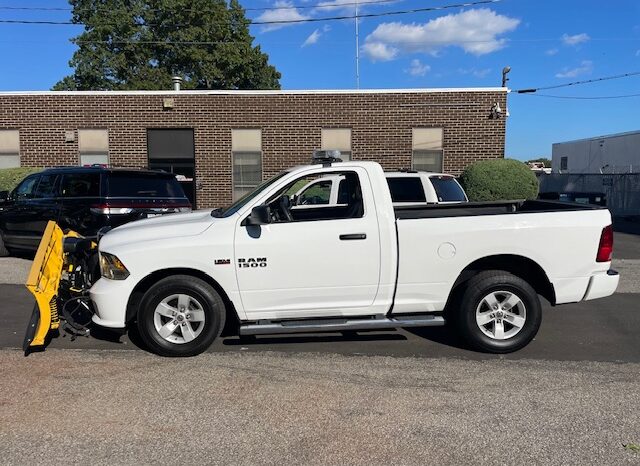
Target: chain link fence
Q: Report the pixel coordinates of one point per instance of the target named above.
(621, 191)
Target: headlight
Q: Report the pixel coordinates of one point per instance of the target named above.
(111, 267)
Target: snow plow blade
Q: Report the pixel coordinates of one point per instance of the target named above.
(43, 282)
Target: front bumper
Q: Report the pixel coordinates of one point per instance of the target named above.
(110, 299)
(602, 284)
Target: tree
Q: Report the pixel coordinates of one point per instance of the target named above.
(141, 44)
(499, 180)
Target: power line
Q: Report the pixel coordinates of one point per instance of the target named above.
(292, 21)
(576, 83)
(288, 7)
(586, 97)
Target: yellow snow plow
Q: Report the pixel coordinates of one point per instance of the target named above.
(61, 275)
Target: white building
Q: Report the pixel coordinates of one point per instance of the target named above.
(614, 153)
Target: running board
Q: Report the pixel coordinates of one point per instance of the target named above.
(336, 325)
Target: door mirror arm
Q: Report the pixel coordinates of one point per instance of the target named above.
(260, 215)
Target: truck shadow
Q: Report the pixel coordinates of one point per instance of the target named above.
(442, 335)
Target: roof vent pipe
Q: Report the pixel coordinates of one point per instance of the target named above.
(177, 82)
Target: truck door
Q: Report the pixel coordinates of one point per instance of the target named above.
(322, 261)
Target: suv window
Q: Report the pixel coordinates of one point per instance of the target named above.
(447, 189)
(143, 185)
(46, 186)
(26, 188)
(406, 189)
(81, 185)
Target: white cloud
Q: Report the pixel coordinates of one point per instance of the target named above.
(478, 73)
(312, 39)
(551, 52)
(475, 31)
(378, 51)
(585, 67)
(417, 68)
(576, 39)
(288, 14)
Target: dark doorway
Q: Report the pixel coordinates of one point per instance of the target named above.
(173, 150)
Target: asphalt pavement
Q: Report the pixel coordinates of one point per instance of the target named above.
(413, 396)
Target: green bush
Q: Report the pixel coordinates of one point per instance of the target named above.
(499, 180)
(10, 177)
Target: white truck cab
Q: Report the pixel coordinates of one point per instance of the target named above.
(264, 266)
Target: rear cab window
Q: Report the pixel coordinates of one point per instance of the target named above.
(447, 189)
(143, 185)
(406, 189)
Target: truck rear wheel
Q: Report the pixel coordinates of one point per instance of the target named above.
(498, 312)
(180, 316)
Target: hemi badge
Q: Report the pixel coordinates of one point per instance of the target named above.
(222, 261)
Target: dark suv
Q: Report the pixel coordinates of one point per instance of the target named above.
(85, 200)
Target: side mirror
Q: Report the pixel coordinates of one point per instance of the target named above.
(4, 196)
(260, 215)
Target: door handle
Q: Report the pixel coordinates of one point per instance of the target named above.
(353, 236)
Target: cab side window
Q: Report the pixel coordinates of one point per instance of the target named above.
(26, 189)
(285, 206)
(318, 193)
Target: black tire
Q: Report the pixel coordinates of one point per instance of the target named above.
(206, 298)
(472, 295)
(4, 252)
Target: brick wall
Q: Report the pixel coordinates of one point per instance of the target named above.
(291, 125)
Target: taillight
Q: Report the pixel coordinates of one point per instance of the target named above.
(106, 209)
(605, 248)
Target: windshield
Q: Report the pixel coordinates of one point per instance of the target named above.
(244, 200)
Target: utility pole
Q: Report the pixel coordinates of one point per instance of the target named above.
(357, 50)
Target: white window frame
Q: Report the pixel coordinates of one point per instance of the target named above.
(6, 135)
(239, 147)
(435, 148)
(346, 153)
(93, 152)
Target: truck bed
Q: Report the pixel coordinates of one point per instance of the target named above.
(472, 209)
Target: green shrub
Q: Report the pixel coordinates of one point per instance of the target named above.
(10, 177)
(499, 180)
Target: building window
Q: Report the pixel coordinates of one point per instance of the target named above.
(9, 148)
(246, 147)
(337, 139)
(427, 149)
(93, 145)
(564, 163)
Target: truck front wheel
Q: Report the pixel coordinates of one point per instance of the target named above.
(180, 316)
(498, 312)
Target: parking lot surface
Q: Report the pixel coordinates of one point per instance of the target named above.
(409, 397)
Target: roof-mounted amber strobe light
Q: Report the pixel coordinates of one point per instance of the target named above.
(326, 157)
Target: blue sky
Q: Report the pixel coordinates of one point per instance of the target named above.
(545, 43)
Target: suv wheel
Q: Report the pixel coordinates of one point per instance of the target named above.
(498, 312)
(180, 316)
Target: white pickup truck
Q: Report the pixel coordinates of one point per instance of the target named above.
(265, 268)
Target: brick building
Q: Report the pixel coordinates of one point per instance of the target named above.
(226, 141)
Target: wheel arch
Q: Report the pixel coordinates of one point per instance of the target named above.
(520, 266)
(232, 321)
